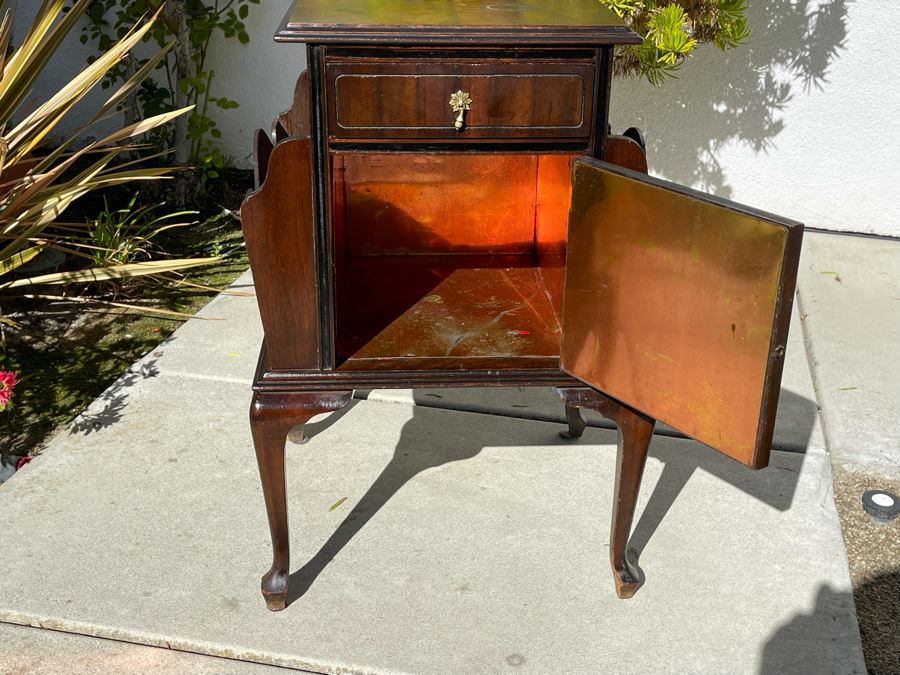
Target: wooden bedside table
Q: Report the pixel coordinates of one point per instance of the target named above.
(444, 206)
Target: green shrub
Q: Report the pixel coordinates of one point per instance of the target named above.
(672, 30)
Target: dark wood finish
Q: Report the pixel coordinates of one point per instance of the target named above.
(625, 152)
(262, 152)
(602, 88)
(688, 314)
(406, 373)
(277, 221)
(272, 416)
(575, 422)
(637, 136)
(295, 121)
(322, 203)
(450, 22)
(390, 249)
(787, 285)
(409, 98)
(635, 434)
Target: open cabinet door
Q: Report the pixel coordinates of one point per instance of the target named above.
(678, 304)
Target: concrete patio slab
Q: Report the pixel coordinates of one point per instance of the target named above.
(25, 650)
(849, 291)
(221, 344)
(467, 543)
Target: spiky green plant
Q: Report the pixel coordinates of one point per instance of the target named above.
(35, 191)
(672, 29)
(122, 236)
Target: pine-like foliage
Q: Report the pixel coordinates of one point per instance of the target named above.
(671, 31)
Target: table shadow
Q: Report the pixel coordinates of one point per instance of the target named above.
(427, 442)
(826, 639)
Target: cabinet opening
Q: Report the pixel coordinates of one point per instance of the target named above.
(448, 257)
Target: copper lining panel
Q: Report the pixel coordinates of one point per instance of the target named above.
(553, 197)
(403, 203)
(671, 304)
(397, 203)
(444, 307)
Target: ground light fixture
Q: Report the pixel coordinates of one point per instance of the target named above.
(881, 505)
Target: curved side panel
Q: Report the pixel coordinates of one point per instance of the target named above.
(278, 227)
(295, 120)
(262, 151)
(625, 151)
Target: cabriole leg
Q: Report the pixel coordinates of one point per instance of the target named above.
(272, 416)
(576, 423)
(635, 434)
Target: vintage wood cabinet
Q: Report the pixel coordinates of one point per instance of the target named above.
(443, 205)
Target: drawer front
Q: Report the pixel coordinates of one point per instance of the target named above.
(407, 99)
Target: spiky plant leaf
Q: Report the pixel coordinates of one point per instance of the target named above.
(34, 193)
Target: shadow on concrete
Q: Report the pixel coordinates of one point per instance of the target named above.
(430, 440)
(740, 96)
(878, 610)
(775, 490)
(818, 642)
(114, 401)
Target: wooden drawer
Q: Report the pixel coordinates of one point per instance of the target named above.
(408, 99)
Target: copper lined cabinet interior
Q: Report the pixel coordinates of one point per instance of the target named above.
(443, 205)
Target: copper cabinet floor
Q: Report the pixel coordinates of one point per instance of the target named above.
(448, 307)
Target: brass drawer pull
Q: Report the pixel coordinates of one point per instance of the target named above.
(459, 103)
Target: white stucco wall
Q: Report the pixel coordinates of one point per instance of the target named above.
(801, 121)
(825, 153)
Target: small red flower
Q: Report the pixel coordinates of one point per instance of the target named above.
(7, 382)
